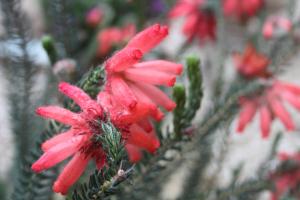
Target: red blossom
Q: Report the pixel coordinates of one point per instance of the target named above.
(251, 64)
(276, 25)
(200, 22)
(130, 98)
(94, 17)
(132, 85)
(112, 36)
(287, 180)
(270, 105)
(242, 9)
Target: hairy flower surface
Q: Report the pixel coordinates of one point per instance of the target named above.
(242, 9)
(199, 22)
(251, 64)
(287, 180)
(270, 105)
(112, 36)
(131, 84)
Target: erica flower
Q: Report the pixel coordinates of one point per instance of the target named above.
(199, 22)
(94, 17)
(251, 64)
(242, 9)
(110, 37)
(74, 142)
(132, 84)
(270, 105)
(287, 180)
(78, 140)
(276, 25)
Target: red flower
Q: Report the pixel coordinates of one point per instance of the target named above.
(270, 105)
(242, 9)
(131, 84)
(251, 64)
(77, 141)
(94, 17)
(200, 22)
(110, 37)
(287, 180)
(276, 25)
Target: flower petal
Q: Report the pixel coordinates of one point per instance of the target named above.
(140, 138)
(71, 173)
(122, 92)
(161, 65)
(59, 114)
(158, 96)
(265, 121)
(57, 139)
(246, 114)
(279, 110)
(123, 59)
(148, 38)
(57, 154)
(150, 76)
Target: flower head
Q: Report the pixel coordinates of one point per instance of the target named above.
(200, 21)
(132, 84)
(242, 9)
(251, 64)
(276, 25)
(287, 180)
(79, 141)
(270, 105)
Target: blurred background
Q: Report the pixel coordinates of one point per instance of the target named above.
(44, 42)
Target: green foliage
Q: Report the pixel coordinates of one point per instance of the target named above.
(49, 46)
(187, 105)
(104, 183)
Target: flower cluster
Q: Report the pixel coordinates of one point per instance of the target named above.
(130, 99)
(94, 17)
(270, 104)
(251, 64)
(200, 21)
(242, 9)
(287, 180)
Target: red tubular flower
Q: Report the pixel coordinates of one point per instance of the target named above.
(94, 17)
(76, 141)
(251, 64)
(276, 25)
(200, 22)
(110, 37)
(132, 84)
(242, 9)
(270, 105)
(288, 180)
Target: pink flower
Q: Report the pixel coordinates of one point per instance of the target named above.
(287, 180)
(251, 64)
(94, 17)
(112, 36)
(200, 22)
(276, 25)
(242, 9)
(132, 84)
(77, 141)
(270, 105)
